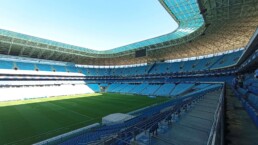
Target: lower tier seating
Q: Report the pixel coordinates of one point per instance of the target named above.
(165, 90)
(94, 87)
(247, 94)
(148, 120)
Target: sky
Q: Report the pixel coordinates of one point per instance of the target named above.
(94, 24)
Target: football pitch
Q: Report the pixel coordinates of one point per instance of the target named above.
(30, 121)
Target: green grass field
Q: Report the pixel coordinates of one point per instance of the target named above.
(30, 121)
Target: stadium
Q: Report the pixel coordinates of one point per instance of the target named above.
(195, 85)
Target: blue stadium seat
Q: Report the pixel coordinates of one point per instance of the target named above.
(72, 69)
(188, 65)
(175, 67)
(91, 71)
(139, 88)
(159, 68)
(181, 88)
(212, 61)
(25, 66)
(150, 90)
(120, 87)
(153, 114)
(59, 68)
(94, 87)
(165, 90)
(82, 70)
(253, 100)
(6, 64)
(202, 64)
(112, 87)
(201, 86)
(128, 88)
(227, 60)
(44, 67)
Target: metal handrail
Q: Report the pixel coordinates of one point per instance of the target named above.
(217, 117)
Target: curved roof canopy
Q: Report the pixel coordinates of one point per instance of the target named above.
(185, 12)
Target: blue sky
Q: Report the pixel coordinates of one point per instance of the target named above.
(94, 24)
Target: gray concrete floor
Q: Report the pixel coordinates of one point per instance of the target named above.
(193, 128)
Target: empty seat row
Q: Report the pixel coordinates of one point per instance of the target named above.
(36, 66)
(214, 62)
(165, 90)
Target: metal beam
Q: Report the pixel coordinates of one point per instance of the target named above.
(10, 47)
(41, 52)
(52, 54)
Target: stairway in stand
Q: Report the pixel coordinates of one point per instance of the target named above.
(193, 127)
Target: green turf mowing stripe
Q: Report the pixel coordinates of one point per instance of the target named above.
(30, 121)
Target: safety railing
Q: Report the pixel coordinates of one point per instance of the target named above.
(216, 135)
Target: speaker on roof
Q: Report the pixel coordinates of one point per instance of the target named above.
(207, 25)
(140, 53)
(203, 11)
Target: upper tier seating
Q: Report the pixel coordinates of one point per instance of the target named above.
(6, 64)
(44, 67)
(175, 67)
(92, 71)
(159, 68)
(214, 62)
(72, 69)
(227, 60)
(188, 65)
(103, 72)
(202, 64)
(59, 68)
(135, 70)
(205, 63)
(25, 66)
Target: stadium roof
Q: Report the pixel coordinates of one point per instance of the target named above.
(185, 12)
